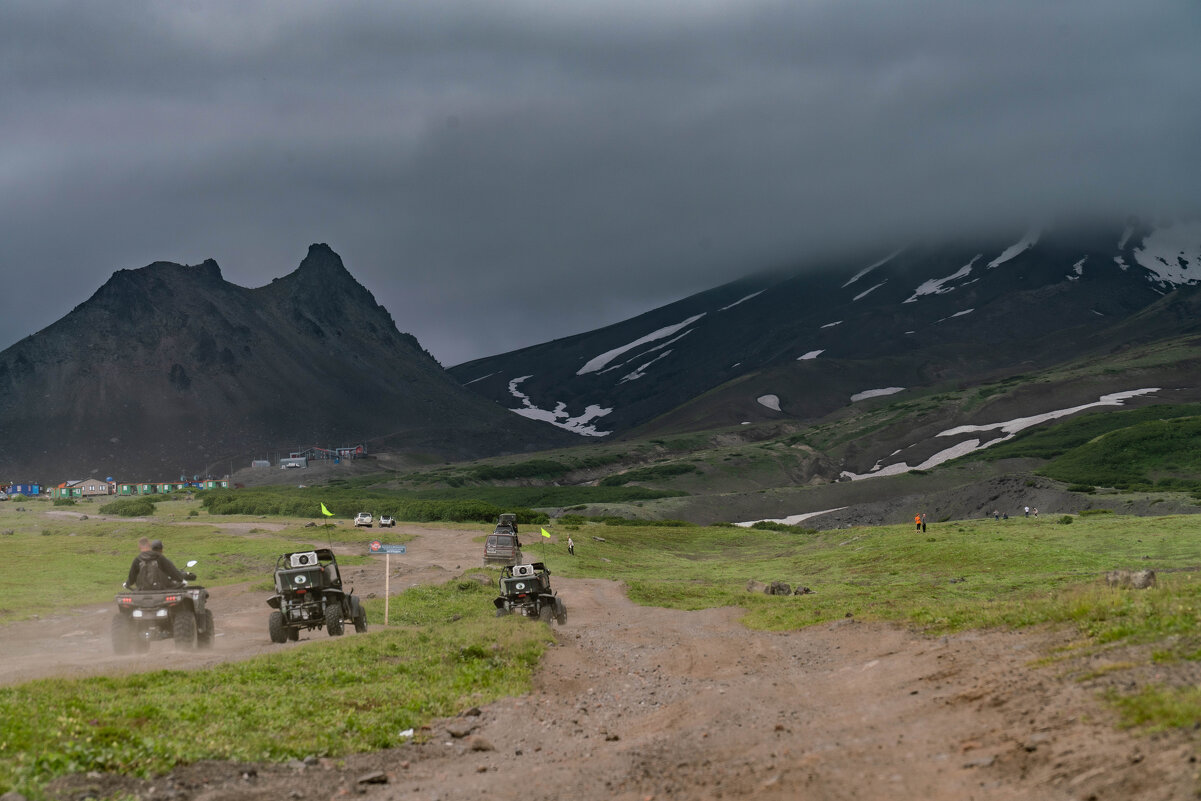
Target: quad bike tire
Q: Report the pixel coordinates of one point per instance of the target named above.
(561, 618)
(293, 633)
(501, 611)
(360, 617)
(546, 615)
(183, 629)
(124, 634)
(204, 639)
(333, 619)
(276, 628)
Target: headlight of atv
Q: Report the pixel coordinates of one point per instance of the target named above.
(137, 613)
(161, 613)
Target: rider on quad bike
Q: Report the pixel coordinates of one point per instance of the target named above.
(160, 605)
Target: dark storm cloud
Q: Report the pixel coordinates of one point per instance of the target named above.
(569, 163)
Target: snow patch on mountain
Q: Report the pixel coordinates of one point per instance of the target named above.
(1125, 236)
(1172, 254)
(1078, 269)
(867, 292)
(831, 325)
(640, 371)
(791, 520)
(1008, 428)
(770, 401)
(743, 300)
(1118, 260)
(871, 267)
(938, 286)
(813, 354)
(598, 362)
(582, 424)
(1029, 240)
(481, 378)
(875, 393)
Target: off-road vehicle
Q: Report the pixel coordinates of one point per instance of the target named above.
(525, 590)
(309, 595)
(362, 519)
(503, 546)
(386, 521)
(179, 613)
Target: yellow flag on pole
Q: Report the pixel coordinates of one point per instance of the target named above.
(546, 533)
(326, 512)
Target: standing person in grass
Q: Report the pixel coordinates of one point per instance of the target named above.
(917, 522)
(570, 545)
(923, 522)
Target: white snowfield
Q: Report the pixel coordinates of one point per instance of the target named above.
(770, 401)
(640, 371)
(1007, 428)
(831, 325)
(813, 354)
(867, 292)
(558, 416)
(743, 300)
(938, 286)
(598, 362)
(1172, 254)
(791, 520)
(875, 393)
(1013, 251)
(871, 267)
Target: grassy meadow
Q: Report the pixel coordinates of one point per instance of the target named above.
(446, 651)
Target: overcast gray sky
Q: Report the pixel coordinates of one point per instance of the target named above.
(579, 161)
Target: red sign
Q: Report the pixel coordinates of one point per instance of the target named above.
(375, 546)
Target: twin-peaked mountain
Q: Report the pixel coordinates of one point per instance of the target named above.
(804, 343)
(170, 370)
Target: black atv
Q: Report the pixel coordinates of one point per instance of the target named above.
(525, 590)
(309, 595)
(179, 614)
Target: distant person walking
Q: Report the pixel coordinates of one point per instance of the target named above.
(996, 514)
(923, 522)
(570, 546)
(1027, 511)
(1035, 511)
(917, 522)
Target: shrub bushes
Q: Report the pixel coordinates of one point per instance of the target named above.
(64, 501)
(653, 473)
(129, 507)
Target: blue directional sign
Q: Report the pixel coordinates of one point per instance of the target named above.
(375, 546)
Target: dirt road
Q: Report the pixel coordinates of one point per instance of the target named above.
(638, 703)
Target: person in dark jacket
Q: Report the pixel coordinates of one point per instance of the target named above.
(153, 552)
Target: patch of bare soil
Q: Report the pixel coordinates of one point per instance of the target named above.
(645, 703)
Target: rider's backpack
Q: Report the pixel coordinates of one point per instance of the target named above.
(150, 576)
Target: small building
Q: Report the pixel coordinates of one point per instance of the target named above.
(293, 461)
(68, 489)
(260, 463)
(28, 490)
(215, 483)
(126, 489)
(97, 486)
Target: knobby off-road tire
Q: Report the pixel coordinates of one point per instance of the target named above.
(333, 619)
(360, 619)
(293, 633)
(546, 614)
(204, 639)
(183, 629)
(501, 611)
(124, 634)
(275, 627)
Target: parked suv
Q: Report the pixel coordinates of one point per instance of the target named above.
(386, 521)
(502, 546)
(363, 519)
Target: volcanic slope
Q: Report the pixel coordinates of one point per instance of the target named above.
(170, 369)
(833, 333)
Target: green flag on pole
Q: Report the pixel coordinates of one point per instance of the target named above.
(546, 533)
(326, 512)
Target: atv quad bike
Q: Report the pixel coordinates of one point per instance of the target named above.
(179, 613)
(309, 595)
(525, 590)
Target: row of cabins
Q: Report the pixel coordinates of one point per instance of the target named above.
(91, 487)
